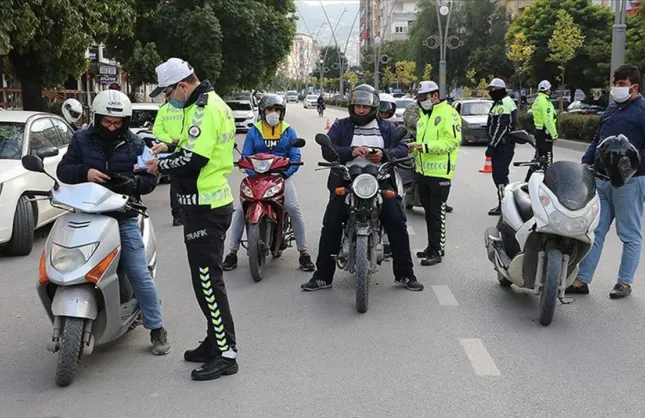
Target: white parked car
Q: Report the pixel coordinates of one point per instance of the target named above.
(311, 101)
(474, 115)
(244, 114)
(143, 116)
(401, 104)
(28, 133)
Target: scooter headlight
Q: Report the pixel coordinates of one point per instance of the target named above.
(365, 186)
(570, 226)
(272, 191)
(246, 190)
(66, 260)
(261, 166)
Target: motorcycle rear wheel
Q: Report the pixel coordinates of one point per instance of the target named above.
(70, 353)
(257, 257)
(362, 273)
(549, 293)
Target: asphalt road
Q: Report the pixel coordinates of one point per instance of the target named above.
(464, 347)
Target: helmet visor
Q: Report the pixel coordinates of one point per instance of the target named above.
(365, 98)
(73, 113)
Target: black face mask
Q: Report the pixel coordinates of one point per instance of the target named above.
(108, 134)
(497, 95)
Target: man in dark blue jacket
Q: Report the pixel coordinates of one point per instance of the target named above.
(362, 139)
(106, 153)
(625, 116)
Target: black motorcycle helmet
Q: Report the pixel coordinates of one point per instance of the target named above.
(618, 159)
(365, 95)
(272, 101)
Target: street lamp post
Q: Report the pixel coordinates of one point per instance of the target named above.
(322, 66)
(443, 41)
(618, 39)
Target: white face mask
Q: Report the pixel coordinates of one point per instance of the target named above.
(427, 105)
(620, 94)
(273, 119)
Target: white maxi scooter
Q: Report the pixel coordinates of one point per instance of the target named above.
(84, 291)
(545, 230)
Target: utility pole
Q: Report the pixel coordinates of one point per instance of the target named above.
(618, 39)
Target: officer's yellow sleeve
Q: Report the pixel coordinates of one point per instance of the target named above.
(549, 122)
(158, 129)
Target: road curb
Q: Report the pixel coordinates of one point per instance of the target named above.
(572, 145)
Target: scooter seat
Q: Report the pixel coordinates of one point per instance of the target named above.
(523, 203)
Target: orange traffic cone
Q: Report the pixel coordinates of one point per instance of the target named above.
(488, 166)
(327, 125)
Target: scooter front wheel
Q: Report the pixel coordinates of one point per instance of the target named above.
(70, 353)
(550, 284)
(257, 256)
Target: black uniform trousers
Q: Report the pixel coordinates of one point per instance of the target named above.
(433, 193)
(204, 235)
(501, 160)
(544, 145)
(175, 207)
(394, 222)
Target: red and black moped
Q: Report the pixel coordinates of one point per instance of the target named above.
(268, 225)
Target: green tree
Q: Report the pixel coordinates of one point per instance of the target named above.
(330, 54)
(48, 39)
(390, 52)
(141, 65)
(567, 38)
(427, 72)
(352, 78)
(405, 73)
(520, 51)
(590, 65)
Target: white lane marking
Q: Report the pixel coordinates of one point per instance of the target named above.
(481, 361)
(411, 230)
(444, 295)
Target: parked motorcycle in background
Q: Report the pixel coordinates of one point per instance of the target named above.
(268, 224)
(545, 230)
(362, 245)
(81, 285)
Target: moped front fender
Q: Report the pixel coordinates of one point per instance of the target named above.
(75, 301)
(255, 212)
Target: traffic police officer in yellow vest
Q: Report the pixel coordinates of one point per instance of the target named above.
(436, 149)
(167, 128)
(201, 164)
(502, 120)
(544, 118)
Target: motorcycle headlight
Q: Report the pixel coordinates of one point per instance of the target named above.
(365, 186)
(272, 191)
(572, 226)
(261, 166)
(66, 260)
(246, 190)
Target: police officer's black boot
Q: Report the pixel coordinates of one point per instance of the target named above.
(497, 211)
(230, 262)
(449, 209)
(203, 353)
(215, 368)
(432, 258)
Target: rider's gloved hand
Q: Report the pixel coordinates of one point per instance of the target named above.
(490, 151)
(121, 184)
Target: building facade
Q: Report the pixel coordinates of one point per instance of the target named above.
(302, 57)
(386, 19)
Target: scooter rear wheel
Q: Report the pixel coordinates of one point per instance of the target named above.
(70, 352)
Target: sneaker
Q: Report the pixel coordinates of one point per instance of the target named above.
(215, 368)
(176, 221)
(315, 284)
(203, 353)
(409, 283)
(305, 262)
(496, 211)
(230, 262)
(159, 340)
(620, 291)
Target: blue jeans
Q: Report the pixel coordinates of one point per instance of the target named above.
(625, 205)
(133, 260)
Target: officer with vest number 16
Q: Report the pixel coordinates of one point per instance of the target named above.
(436, 149)
(502, 120)
(201, 163)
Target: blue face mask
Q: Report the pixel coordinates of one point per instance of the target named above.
(176, 103)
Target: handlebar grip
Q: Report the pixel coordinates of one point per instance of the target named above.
(326, 164)
(516, 164)
(298, 163)
(39, 193)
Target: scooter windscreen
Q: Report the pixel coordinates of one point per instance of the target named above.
(573, 184)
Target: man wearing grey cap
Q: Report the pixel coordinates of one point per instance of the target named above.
(502, 119)
(201, 162)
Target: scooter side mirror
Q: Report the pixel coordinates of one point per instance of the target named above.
(298, 143)
(33, 163)
(324, 141)
(45, 152)
(521, 137)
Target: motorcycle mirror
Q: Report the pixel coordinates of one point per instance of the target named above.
(33, 163)
(147, 124)
(298, 143)
(398, 134)
(521, 137)
(45, 152)
(324, 141)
